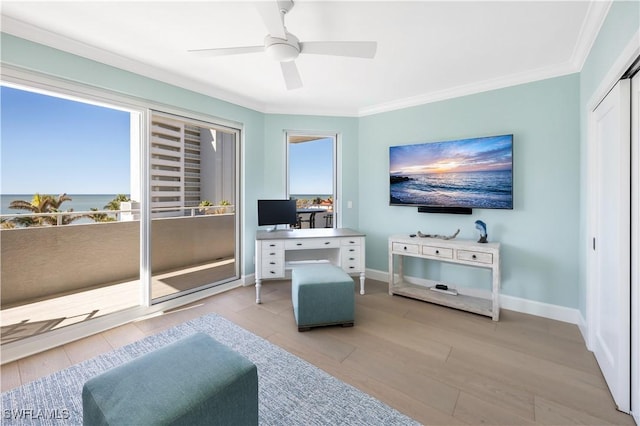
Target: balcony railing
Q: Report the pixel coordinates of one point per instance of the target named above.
(43, 261)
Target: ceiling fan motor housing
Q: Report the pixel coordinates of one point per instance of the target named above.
(282, 50)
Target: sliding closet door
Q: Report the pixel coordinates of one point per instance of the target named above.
(610, 257)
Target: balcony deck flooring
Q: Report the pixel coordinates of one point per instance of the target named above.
(40, 316)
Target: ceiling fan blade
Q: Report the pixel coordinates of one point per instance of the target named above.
(357, 49)
(273, 18)
(291, 75)
(223, 51)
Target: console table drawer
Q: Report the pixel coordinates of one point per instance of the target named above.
(406, 248)
(443, 252)
(312, 243)
(475, 256)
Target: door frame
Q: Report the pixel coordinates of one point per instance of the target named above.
(613, 75)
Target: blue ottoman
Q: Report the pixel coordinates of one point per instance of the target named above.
(194, 381)
(322, 294)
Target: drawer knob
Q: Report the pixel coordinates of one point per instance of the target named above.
(352, 249)
(405, 247)
(352, 258)
(272, 263)
(473, 256)
(327, 242)
(298, 244)
(272, 254)
(272, 272)
(437, 251)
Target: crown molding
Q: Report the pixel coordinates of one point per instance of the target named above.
(57, 41)
(471, 89)
(596, 15)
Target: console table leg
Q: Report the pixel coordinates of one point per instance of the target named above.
(258, 287)
(361, 282)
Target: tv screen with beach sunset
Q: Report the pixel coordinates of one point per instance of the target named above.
(470, 173)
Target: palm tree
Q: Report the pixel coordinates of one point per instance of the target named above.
(115, 203)
(112, 205)
(42, 204)
(100, 217)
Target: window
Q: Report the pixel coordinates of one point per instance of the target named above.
(311, 164)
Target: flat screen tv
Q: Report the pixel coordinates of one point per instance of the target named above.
(457, 174)
(277, 212)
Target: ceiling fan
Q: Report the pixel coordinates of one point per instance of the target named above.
(284, 47)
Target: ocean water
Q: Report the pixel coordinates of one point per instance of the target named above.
(79, 202)
(470, 189)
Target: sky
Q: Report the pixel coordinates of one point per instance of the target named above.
(52, 145)
(311, 167)
(467, 155)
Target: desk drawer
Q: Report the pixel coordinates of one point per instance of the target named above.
(272, 271)
(475, 256)
(406, 248)
(274, 254)
(311, 243)
(355, 241)
(272, 245)
(350, 260)
(445, 253)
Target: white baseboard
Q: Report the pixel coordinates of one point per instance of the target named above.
(526, 306)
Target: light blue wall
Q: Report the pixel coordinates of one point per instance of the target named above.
(539, 236)
(619, 29)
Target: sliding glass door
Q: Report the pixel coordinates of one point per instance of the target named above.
(193, 195)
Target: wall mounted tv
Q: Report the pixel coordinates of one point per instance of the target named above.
(453, 176)
(277, 212)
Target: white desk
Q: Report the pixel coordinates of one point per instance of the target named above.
(463, 252)
(278, 251)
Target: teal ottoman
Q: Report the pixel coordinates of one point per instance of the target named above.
(322, 294)
(194, 381)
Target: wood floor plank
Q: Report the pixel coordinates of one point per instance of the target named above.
(552, 413)
(123, 335)
(9, 376)
(43, 364)
(475, 410)
(84, 349)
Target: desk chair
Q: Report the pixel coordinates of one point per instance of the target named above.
(311, 220)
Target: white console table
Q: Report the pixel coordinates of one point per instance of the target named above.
(278, 251)
(463, 252)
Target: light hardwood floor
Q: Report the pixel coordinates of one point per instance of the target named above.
(435, 364)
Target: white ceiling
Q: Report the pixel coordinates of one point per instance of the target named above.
(427, 50)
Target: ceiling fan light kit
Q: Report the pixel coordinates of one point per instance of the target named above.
(280, 49)
(284, 47)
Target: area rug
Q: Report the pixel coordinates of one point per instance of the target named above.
(291, 391)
